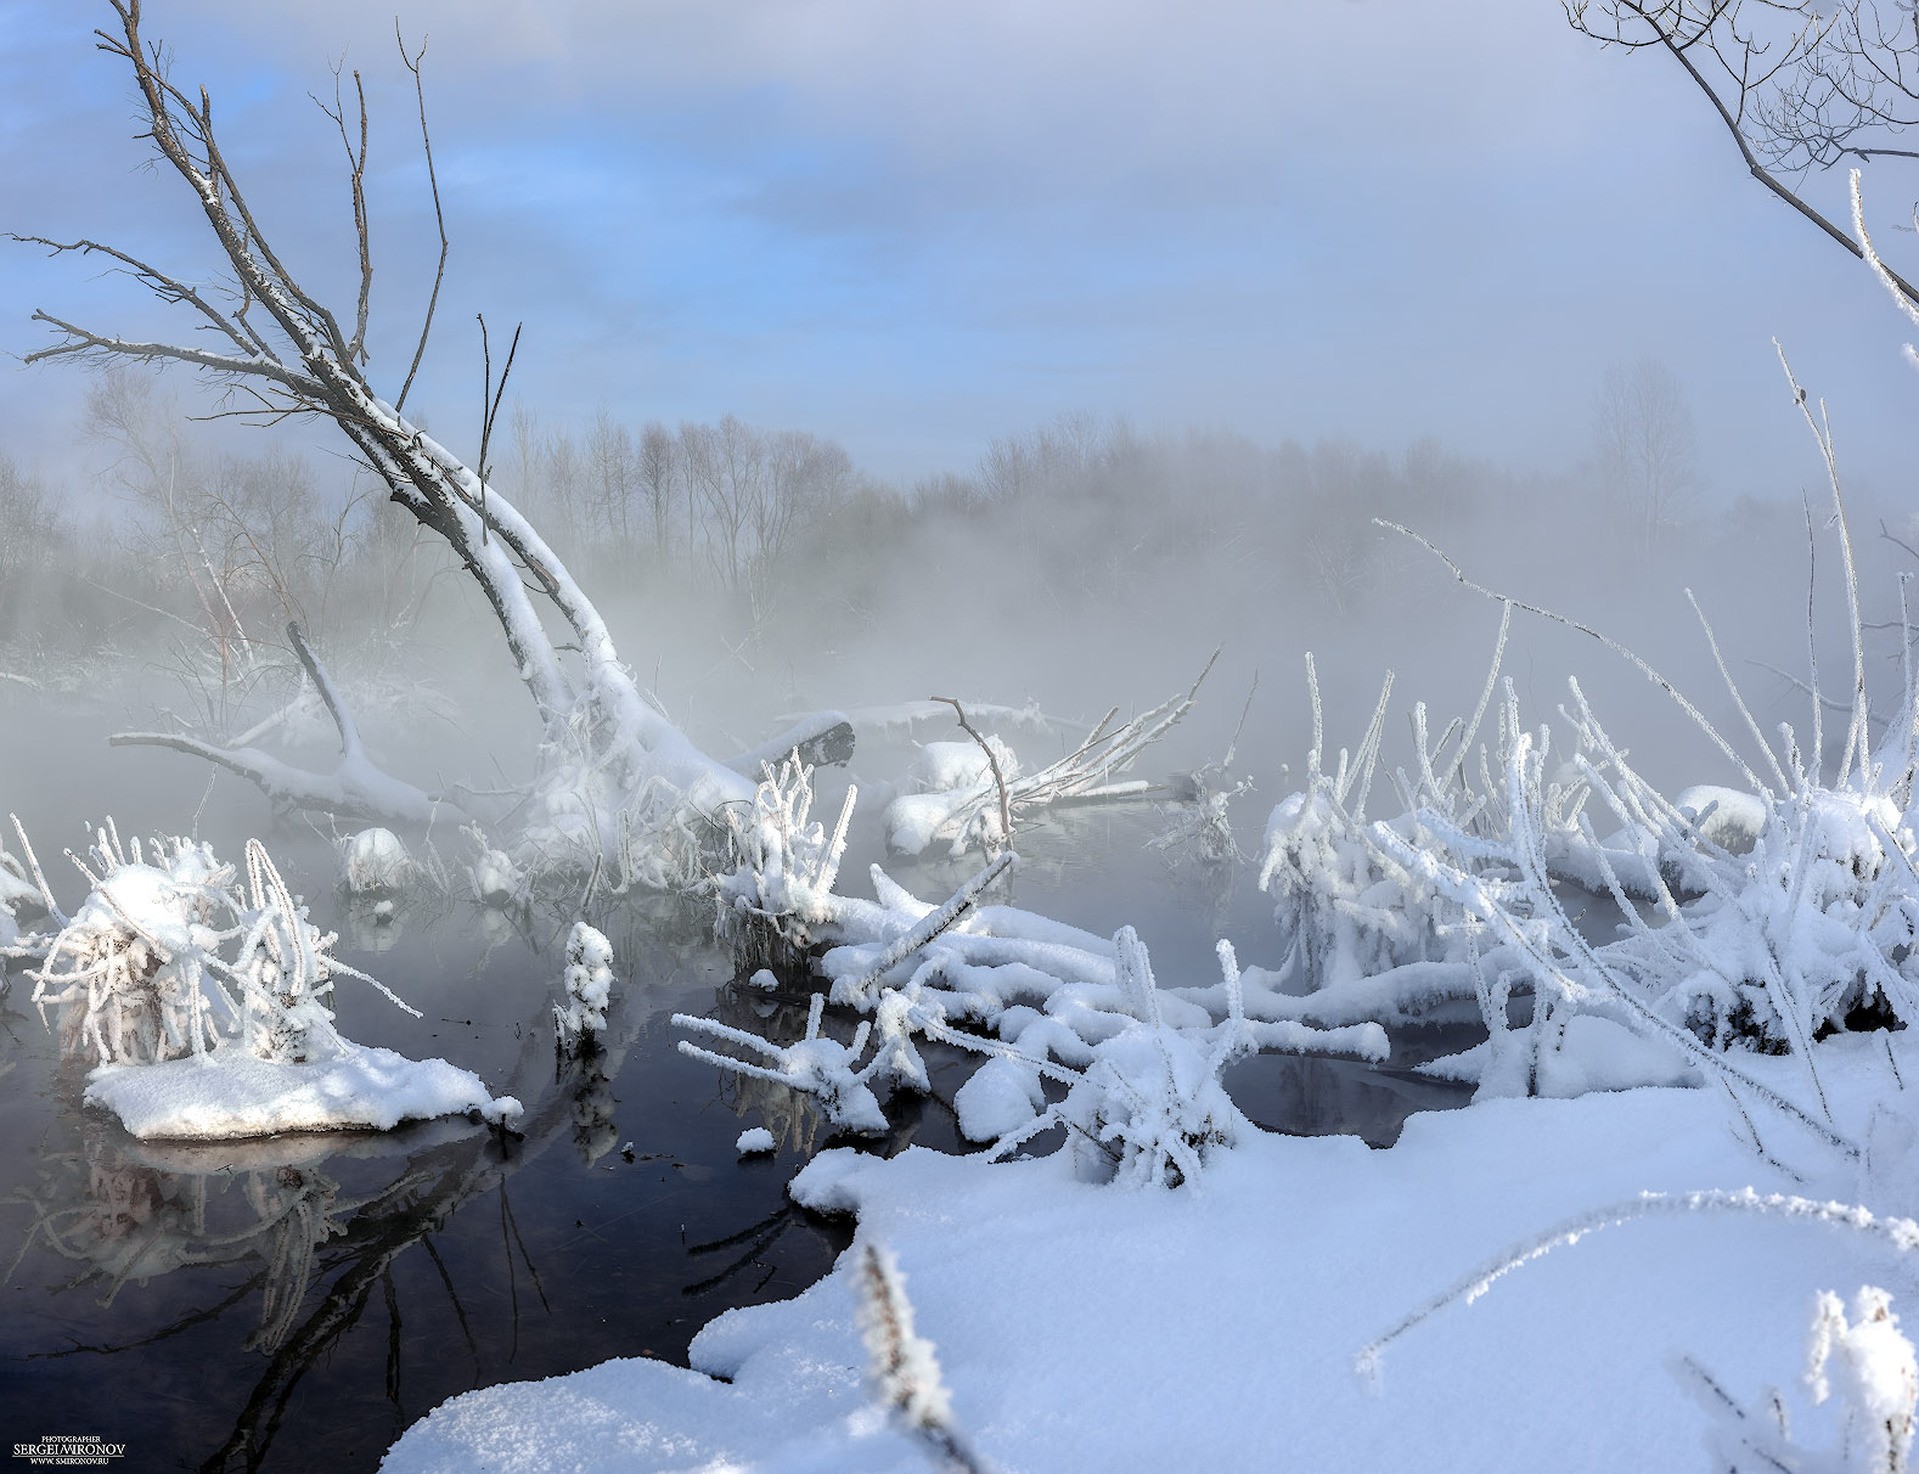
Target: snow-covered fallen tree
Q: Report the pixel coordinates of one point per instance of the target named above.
(201, 1003)
(613, 772)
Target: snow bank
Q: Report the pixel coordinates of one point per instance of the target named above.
(1081, 1329)
(228, 1094)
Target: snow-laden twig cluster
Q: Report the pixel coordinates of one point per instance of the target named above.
(170, 956)
(588, 985)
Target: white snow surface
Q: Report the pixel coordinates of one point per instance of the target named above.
(228, 1094)
(943, 766)
(1086, 1329)
(756, 1141)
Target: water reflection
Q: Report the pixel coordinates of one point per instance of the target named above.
(352, 1263)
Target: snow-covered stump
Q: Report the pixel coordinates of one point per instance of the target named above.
(375, 863)
(202, 1004)
(778, 902)
(497, 883)
(587, 984)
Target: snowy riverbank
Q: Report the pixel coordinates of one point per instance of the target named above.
(1085, 1328)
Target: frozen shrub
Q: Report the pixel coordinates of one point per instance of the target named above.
(588, 982)
(780, 892)
(169, 956)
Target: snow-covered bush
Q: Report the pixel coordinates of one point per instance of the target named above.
(201, 1003)
(1806, 933)
(588, 984)
(169, 956)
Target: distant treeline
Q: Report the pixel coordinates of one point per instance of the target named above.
(773, 538)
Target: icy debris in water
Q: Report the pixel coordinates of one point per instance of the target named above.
(497, 881)
(757, 1142)
(763, 979)
(589, 982)
(376, 863)
(819, 1066)
(505, 1111)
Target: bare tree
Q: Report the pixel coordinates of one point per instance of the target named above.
(30, 533)
(282, 354)
(1800, 85)
(659, 474)
(1646, 446)
(613, 473)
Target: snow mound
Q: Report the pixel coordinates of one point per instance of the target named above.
(943, 766)
(228, 1094)
(1002, 1096)
(376, 862)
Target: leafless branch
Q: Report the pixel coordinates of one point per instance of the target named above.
(413, 61)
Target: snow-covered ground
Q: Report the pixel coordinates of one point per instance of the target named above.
(1097, 1328)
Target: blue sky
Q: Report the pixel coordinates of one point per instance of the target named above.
(915, 226)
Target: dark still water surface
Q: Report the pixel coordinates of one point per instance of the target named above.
(293, 1304)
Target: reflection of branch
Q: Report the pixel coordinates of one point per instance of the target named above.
(371, 1243)
(762, 1235)
(185, 1323)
